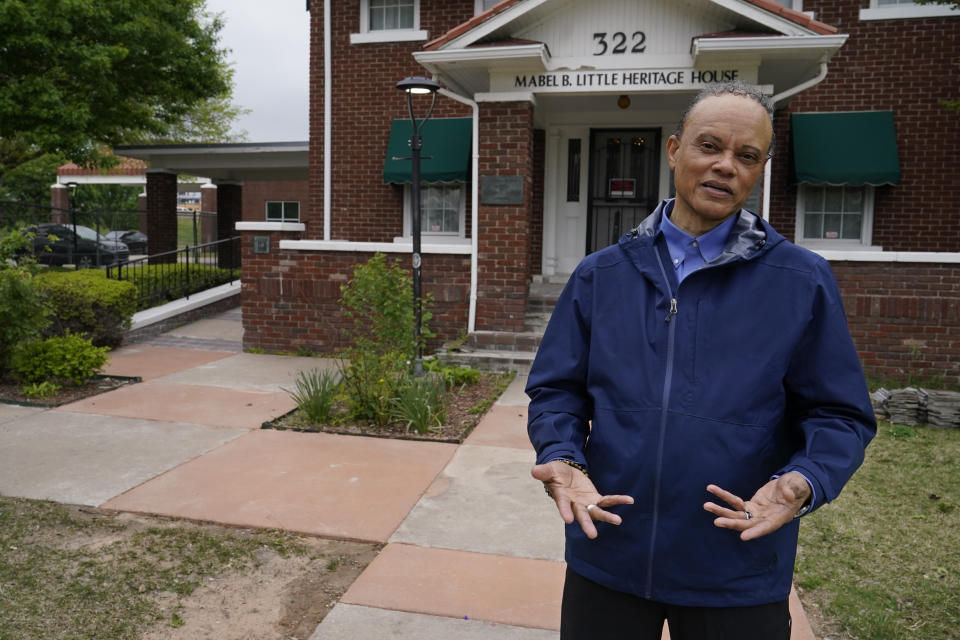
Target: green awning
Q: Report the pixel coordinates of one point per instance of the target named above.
(854, 148)
(444, 156)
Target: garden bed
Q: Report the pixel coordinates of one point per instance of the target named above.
(11, 392)
(465, 407)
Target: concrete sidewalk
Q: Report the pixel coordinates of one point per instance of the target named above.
(473, 549)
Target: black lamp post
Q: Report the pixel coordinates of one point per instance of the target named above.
(417, 86)
(72, 192)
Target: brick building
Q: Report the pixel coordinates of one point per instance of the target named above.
(547, 143)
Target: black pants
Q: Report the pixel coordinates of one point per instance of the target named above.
(592, 612)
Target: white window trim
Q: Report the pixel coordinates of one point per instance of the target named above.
(900, 12)
(427, 236)
(866, 233)
(365, 36)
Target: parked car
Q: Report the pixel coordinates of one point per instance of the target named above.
(135, 241)
(56, 244)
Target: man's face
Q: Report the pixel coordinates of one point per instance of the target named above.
(717, 160)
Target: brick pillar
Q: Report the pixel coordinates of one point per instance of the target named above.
(506, 149)
(229, 209)
(208, 210)
(161, 213)
(60, 201)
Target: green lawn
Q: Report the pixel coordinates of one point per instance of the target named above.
(883, 560)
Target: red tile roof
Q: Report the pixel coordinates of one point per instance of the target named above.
(797, 17)
(127, 167)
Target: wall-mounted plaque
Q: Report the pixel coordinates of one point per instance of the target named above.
(501, 190)
(261, 244)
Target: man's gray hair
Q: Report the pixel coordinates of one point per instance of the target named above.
(734, 88)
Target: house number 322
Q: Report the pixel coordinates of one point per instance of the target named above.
(619, 42)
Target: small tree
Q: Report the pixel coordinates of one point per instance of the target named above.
(377, 303)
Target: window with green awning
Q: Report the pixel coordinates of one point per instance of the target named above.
(445, 155)
(845, 148)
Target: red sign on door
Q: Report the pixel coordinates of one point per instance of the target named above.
(623, 187)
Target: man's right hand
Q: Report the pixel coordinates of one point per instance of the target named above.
(573, 492)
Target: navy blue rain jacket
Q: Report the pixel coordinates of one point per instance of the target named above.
(744, 371)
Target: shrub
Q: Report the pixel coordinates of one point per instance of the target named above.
(454, 376)
(159, 283)
(370, 383)
(70, 357)
(23, 311)
(86, 302)
(315, 393)
(43, 389)
(378, 304)
(422, 402)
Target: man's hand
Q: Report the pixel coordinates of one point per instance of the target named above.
(573, 493)
(773, 506)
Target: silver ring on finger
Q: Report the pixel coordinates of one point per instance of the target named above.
(590, 506)
(747, 514)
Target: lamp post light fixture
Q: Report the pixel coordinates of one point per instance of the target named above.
(412, 86)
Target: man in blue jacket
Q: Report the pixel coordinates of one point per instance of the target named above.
(696, 391)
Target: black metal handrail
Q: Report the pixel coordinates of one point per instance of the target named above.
(176, 274)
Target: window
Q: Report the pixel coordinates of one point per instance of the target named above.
(484, 5)
(279, 211)
(830, 216)
(442, 210)
(390, 14)
(901, 9)
(388, 21)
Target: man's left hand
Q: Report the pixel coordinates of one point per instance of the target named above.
(773, 506)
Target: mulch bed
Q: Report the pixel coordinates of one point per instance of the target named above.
(11, 392)
(465, 408)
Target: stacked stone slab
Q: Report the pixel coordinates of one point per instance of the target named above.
(912, 406)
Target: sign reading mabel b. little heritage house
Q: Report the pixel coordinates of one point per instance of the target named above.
(620, 80)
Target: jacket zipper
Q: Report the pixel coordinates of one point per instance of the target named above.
(667, 383)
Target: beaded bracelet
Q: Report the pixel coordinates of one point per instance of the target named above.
(576, 465)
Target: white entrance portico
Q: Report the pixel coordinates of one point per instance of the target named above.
(608, 80)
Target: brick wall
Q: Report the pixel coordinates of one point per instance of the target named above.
(291, 299)
(904, 318)
(909, 67)
(365, 101)
(256, 194)
(506, 149)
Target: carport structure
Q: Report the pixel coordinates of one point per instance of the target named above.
(227, 166)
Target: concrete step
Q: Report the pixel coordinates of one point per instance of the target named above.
(489, 360)
(536, 322)
(503, 341)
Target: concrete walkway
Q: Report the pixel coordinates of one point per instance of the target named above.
(473, 549)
